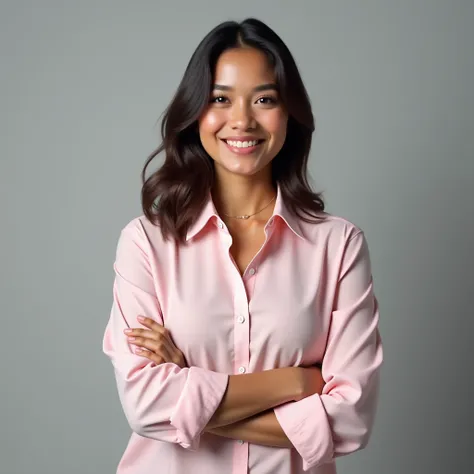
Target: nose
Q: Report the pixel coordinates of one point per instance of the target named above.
(242, 117)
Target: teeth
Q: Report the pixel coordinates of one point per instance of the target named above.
(239, 144)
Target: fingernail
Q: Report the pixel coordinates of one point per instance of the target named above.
(141, 318)
(127, 331)
(131, 338)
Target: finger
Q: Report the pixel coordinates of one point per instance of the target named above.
(150, 339)
(160, 358)
(162, 345)
(156, 358)
(158, 347)
(145, 333)
(154, 326)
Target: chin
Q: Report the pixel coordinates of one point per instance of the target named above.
(243, 163)
(240, 169)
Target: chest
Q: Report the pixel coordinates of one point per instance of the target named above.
(245, 246)
(269, 298)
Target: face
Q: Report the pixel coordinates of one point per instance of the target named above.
(244, 125)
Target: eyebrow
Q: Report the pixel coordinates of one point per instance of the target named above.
(260, 88)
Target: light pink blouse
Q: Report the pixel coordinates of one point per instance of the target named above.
(306, 297)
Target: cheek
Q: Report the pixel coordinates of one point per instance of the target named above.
(275, 124)
(211, 122)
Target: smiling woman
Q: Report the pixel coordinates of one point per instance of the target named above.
(258, 351)
(241, 85)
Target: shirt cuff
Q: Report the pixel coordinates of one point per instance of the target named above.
(306, 425)
(200, 398)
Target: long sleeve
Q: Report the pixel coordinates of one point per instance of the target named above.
(162, 402)
(339, 421)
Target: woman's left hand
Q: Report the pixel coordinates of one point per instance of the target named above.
(155, 343)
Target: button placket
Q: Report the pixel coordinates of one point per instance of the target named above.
(241, 352)
(241, 329)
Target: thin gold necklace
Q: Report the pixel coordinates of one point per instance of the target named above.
(246, 216)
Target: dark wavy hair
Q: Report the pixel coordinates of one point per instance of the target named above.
(174, 195)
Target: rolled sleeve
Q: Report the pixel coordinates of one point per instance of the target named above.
(162, 402)
(340, 420)
(306, 425)
(203, 389)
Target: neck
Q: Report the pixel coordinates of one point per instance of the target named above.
(243, 195)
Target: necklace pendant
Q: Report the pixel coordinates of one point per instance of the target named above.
(247, 216)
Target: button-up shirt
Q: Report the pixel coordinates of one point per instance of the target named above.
(305, 298)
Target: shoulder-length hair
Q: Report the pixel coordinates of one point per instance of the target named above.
(174, 195)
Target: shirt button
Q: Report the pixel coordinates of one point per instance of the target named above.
(242, 370)
(252, 272)
(241, 441)
(220, 225)
(270, 222)
(240, 319)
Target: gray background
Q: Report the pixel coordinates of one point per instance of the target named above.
(82, 86)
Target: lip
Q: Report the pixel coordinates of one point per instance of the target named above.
(242, 151)
(248, 138)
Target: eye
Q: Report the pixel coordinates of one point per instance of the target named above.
(219, 99)
(267, 100)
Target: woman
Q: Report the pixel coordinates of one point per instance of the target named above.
(260, 350)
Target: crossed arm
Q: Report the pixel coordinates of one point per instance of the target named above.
(261, 429)
(249, 399)
(246, 410)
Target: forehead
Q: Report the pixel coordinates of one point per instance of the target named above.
(243, 68)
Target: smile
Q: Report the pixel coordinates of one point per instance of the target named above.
(243, 147)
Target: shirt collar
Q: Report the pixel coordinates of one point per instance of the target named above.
(209, 213)
(292, 221)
